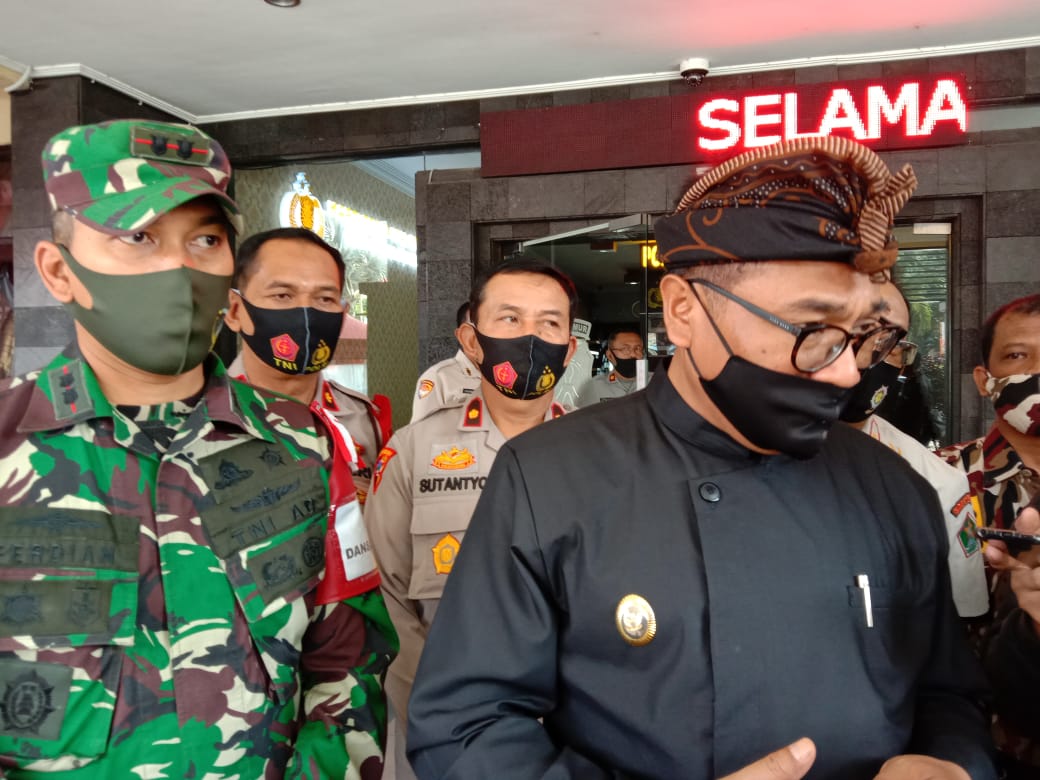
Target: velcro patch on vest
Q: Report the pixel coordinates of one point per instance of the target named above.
(286, 566)
(33, 698)
(259, 492)
(59, 538)
(52, 608)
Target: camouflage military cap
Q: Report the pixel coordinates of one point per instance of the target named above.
(118, 177)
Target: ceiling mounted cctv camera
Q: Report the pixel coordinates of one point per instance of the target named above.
(693, 70)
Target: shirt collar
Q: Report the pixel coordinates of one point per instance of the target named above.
(474, 416)
(67, 392)
(1000, 462)
(676, 415)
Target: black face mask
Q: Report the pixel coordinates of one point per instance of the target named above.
(294, 341)
(524, 367)
(775, 411)
(625, 366)
(874, 386)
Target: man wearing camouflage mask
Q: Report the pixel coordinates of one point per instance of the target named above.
(163, 527)
(1003, 468)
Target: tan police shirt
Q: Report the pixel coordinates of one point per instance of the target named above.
(446, 384)
(425, 486)
(605, 386)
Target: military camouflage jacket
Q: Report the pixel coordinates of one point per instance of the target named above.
(157, 575)
(1004, 485)
(997, 476)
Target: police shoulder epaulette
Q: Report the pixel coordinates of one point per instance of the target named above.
(474, 416)
(328, 397)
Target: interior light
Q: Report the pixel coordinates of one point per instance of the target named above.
(283, 3)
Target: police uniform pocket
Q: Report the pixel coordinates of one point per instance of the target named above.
(896, 646)
(437, 531)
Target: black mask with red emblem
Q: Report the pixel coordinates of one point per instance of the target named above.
(524, 367)
(294, 341)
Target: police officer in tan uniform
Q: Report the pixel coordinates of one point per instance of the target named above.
(428, 478)
(450, 382)
(624, 349)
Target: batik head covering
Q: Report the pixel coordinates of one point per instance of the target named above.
(824, 198)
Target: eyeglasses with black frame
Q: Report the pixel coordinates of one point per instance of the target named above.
(818, 344)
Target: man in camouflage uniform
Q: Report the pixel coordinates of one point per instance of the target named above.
(1003, 468)
(164, 526)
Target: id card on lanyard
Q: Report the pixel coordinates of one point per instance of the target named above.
(350, 565)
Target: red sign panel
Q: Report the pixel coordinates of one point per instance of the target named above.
(881, 113)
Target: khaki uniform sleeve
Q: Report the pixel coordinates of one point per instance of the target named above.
(388, 518)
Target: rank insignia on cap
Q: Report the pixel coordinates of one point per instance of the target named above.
(444, 553)
(425, 388)
(635, 620)
(474, 414)
(190, 148)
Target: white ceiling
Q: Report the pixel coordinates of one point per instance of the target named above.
(216, 59)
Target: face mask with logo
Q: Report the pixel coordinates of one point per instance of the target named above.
(524, 367)
(874, 386)
(294, 341)
(162, 322)
(1016, 399)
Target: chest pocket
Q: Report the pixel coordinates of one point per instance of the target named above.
(438, 527)
(267, 521)
(68, 604)
(896, 647)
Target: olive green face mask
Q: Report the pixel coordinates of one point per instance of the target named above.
(162, 322)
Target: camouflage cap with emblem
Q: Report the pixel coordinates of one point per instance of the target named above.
(120, 176)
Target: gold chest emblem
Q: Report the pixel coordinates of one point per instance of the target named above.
(635, 620)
